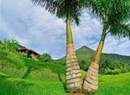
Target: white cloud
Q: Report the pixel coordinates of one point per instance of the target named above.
(114, 45)
(35, 28)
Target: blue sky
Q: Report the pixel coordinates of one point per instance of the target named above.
(41, 31)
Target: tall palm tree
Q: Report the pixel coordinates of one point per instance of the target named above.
(70, 11)
(114, 15)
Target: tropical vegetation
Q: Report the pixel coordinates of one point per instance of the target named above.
(17, 68)
(48, 78)
(45, 57)
(108, 62)
(114, 15)
(70, 11)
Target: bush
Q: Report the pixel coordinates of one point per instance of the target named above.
(101, 70)
(9, 45)
(125, 68)
(116, 71)
(113, 67)
(108, 71)
(84, 65)
(45, 57)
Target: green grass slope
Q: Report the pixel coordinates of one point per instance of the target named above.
(114, 84)
(108, 85)
(17, 86)
(43, 79)
(48, 78)
(16, 65)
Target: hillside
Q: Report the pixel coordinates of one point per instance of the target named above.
(47, 78)
(17, 65)
(85, 54)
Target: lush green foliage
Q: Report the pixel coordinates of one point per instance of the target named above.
(114, 67)
(15, 65)
(112, 84)
(114, 15)
(45, 57)
(11, 63)
(108, 62)
(48, 78)
(16, 86)
(62, 8)
(10, 45)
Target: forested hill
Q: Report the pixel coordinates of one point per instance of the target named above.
(85, 54)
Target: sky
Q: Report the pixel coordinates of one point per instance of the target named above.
(32, 26)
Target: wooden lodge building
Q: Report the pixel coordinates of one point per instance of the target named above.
(30, 53)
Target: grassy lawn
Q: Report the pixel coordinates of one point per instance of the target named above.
(108, 85)
(114, 84)
(17, 86)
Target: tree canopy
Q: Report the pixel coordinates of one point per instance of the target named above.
(114, 15)
(62, 8)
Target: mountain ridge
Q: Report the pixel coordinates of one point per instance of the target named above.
(103, 52)
(85, 55)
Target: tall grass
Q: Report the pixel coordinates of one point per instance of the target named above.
(16, 86)
(114, 84)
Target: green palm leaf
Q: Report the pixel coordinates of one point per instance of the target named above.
(62, 8)
(121, 30)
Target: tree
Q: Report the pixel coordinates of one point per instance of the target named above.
(113, 15)
(46, 57)
(70, 11)
(10, 45)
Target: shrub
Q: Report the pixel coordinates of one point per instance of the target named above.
(102, 70)
(108, 71)
(125, 68)
(84, 65)
(45, 57)
(116, 71)
(113, 67)
(10, 45)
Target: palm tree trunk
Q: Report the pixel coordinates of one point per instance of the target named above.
(73, 73)
(91, 81)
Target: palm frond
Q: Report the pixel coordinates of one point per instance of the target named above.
(69, 8)
(120, 30)
(119, 11)
(112, 13)
(49, 5)
(109, 10)
(62, 8)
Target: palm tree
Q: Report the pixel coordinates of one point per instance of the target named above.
(70, 11)
(114, 15)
